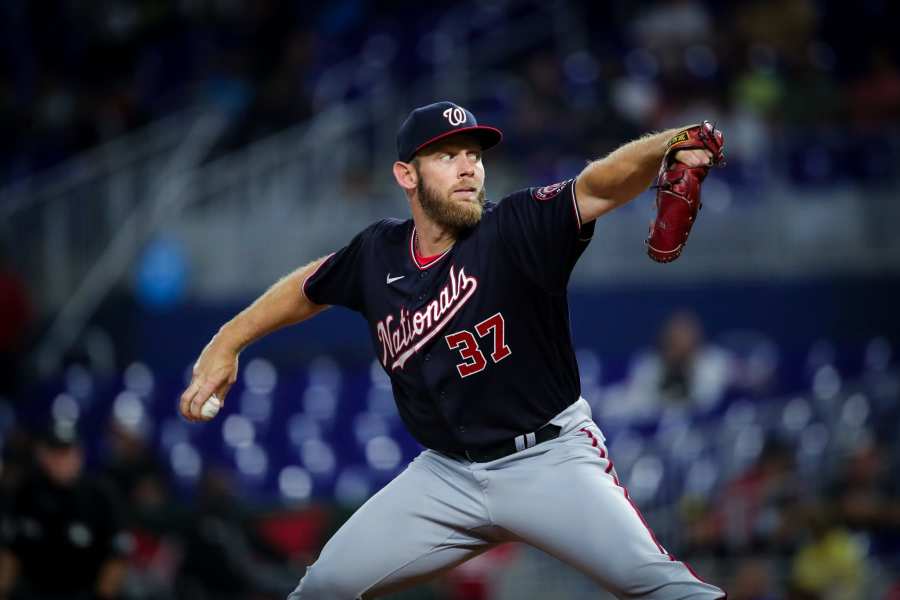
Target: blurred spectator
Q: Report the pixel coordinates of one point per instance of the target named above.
(16, 462)
(811, 97)
(675, 23)
(224, 555)
(131, 464)
(153, 517)
(784, 27)
(79, 74)
(15, 319)
(752, 581)
(120, 65)
(65, 535)
(755, 510)
(684, 371)
(831, 565)
(875, 98)
(866, 497)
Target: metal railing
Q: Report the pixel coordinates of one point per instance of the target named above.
(77, 228)
(164, 197)
(256, 213)
(58, 223)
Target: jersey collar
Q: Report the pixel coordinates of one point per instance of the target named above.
(422, 265)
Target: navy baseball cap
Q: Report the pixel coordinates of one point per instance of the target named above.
(428, 124)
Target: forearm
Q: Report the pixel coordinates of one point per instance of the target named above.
(626, 172)
(281, 305)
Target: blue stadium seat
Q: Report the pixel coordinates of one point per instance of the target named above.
(318, 458)
(301, 427)
(368, 425)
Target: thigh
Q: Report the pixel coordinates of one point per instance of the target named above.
(593, 525)
(427, 520)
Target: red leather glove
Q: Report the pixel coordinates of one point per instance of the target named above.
(678, 190)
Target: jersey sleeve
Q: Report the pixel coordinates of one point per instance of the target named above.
(337, 280)
(542, 231)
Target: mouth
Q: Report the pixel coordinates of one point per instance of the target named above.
(466, 191)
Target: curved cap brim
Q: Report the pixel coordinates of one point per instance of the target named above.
(488, 137)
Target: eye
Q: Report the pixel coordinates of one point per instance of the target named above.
(474, 155)
(446, 157)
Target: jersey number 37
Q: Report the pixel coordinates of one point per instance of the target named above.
(473, 358)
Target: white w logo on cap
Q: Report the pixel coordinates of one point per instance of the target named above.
(456, 115)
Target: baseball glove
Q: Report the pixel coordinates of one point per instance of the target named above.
(678, 190)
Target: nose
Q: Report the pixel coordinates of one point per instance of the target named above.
(465, 167)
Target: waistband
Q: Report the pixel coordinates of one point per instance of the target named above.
(570, 419)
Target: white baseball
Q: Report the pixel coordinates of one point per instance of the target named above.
(211, 407)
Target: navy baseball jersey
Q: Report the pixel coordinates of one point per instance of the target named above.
(477, 342)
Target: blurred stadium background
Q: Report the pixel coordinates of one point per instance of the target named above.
(163, 162)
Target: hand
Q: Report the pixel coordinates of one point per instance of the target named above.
(214, 373)
(695, 157)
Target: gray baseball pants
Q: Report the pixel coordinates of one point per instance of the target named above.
(562, 496)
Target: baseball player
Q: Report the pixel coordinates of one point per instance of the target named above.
(467, 310)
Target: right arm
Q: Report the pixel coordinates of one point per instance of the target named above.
(215, 371)
(626, 172)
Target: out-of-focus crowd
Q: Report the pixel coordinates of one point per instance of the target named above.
(785, 526)
(801, 92)
(116, 531)
(789, 76)
(814, 513)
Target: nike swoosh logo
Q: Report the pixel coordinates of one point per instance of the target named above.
(391, 280)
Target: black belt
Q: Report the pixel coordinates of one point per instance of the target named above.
(517, 444)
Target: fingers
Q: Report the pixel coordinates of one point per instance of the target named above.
(184, 407)
(695, 157)
(198, 392)
(213, 373)
(206, 390)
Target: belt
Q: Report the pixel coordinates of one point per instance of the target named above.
(517, 444)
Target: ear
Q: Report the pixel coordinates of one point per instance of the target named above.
(406, 175)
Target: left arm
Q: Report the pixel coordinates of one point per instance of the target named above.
(626, 172)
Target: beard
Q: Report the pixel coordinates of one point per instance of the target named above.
(456, 216)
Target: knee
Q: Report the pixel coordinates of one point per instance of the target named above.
(323, 582)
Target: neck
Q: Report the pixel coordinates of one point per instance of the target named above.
(432, 237)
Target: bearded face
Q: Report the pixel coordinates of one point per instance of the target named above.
(454, 209)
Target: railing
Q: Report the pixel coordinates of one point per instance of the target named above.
(58, 223)
(294, 200)
(253, 215)
(163, 197)
(76, 229)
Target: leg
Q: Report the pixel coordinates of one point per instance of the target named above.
(594, 525)
(427, 520)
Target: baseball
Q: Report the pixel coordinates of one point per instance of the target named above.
(211, 407)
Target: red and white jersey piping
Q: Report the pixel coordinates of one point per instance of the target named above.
(432, 260)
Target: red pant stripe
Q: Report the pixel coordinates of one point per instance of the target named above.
(602, 452)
